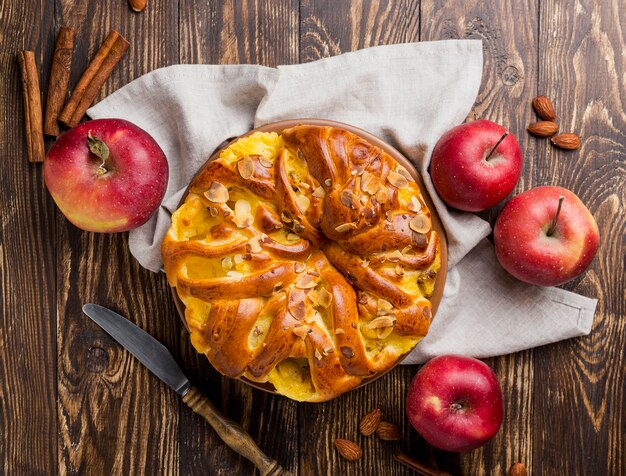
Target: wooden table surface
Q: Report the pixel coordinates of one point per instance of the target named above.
(72, 401)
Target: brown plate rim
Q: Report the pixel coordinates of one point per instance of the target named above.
(278, 127)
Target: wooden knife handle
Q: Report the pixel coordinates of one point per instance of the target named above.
(233, 434)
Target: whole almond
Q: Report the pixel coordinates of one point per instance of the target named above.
(370, 422)
(348, 449)
(518, 469)
(544, 108)
(388, 431)
(543, 128)
(138, 5)
(566, 141)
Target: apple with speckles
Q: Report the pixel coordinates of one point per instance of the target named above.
(546, 236)
(455, 403)
(475, 166)
(106, 175)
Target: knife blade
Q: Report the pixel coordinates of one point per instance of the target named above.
(142, 345)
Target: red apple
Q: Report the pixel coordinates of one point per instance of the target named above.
(106, 175)
(455, 403)
(536, 246)
(476, 165)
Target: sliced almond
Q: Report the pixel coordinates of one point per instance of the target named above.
(314, 297)
(364, 299)
(380, 322)
(213, 211)
(301, 331)
(306, 281)
(384, 332)
(420, 224)
(399, 270)
(227, 263)
(357, 170)
(319, 192)
(414, 205)
(292, 237)
(217, 193)
(397, 180)
(394, 256)
(254, 244)
(297, 309)
(405, 173)
(346, 198)
(238, 259)
(245, 167)
(303, 203)
(345, 227)
(389, 216)
(318, 355)
(328, 182)
(383, 307)
(382, 195)
(324, 297)
(265, 162)
(299, 267)
(364, 200)
(328, 350)
(235, 275)
(369, 183)
(365, 263)
(339, 331)
(304, 186)
(243, 214)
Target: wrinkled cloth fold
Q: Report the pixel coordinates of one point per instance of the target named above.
(407, 94)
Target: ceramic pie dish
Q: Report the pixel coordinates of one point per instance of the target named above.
(306, 259)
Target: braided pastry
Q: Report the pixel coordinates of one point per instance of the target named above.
(305, 260)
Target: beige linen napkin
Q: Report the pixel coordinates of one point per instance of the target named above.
(407, 94)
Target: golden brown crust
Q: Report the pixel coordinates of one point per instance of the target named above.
(310, 268)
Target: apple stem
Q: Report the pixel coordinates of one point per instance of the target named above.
(558, 210)
(99, 149)
(497, 144)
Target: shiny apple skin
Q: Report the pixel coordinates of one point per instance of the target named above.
(123, 198)
(461, 175)
(523, 247)
(447, 381)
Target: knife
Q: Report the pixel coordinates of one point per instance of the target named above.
(160, 362)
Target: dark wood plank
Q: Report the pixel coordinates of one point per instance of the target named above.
(328, 28)
(114, 416)
(580, 423)
(28, 428)
(263, 32)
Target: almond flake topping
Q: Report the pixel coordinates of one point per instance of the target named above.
(292, 237)
(397, 180)
(414, 205)
(395, 256)
(420, 224)
(382, 195)
(406, 249)
(380, 322)
(345, 227)
(227, 263)
(319, 192)
(328, 350)
(306, 281)
(399, 270)
(214, 211)
(245, 167)
(254, 244)
(339, 331)
(318, 356)
(405, 173)
(304, 186)
(297, 309)
(217, 193)
(238, 259)
(235, 275)
(365, 263)
(314, 297)
(299, 267)
(389, 215)
(346, 198)
(364, 200)
(303, 203)
(325, 298)
(369, 183)
(363, 298)
(265, 162)
(383, 307)
(243, 214)
(384, 332)
(328, 182)
(301, 331)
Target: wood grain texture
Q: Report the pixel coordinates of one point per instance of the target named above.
(580, 421)
(72, 401)
(114, 416)
(263, 32)
(28, 428)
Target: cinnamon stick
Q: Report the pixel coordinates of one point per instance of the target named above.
(98, 71)
(415, 465)
(32, 106)
(59, 80)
